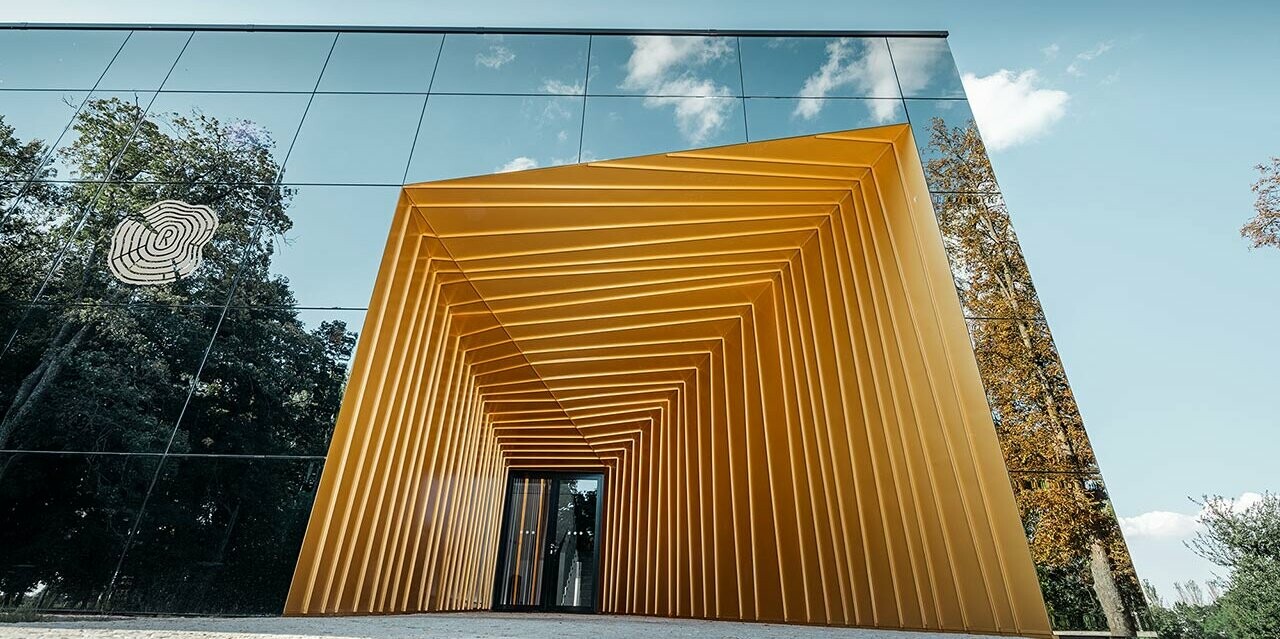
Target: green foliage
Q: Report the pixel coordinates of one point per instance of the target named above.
(1247, 541)
(1251, 606)
(99, 365)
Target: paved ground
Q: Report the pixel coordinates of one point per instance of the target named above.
(436, 626)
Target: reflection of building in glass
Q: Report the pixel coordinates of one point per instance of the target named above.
(176, 434)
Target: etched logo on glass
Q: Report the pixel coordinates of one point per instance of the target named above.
(162, 243)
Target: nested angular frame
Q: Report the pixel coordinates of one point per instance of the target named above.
(761, 347)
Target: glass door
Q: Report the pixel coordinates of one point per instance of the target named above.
(549, 551)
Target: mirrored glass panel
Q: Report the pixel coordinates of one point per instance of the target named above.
(49, 59)
(33, 122)
(625, 126)
(251, 61)
(272, 384)
(156, 242)
(145, 61)
(1086, 574)
(104, 125)
(519, 132)
(67, 519)
(355, 139)
(1035, 412)
(382, 62)
(25, 218)
(664, 65)
(951, 149)
(329, 251)
(248, 123)
(990, 272)
(769, 118)
(218, 536)
(925, 68)
(101, 377)
(818, 67)
(512, 63)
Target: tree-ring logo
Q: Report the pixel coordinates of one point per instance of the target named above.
(161, 244)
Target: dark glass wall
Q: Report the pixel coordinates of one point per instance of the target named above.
(160, 443)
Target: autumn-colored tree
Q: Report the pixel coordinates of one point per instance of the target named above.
(1073, 534)
(1264, 228)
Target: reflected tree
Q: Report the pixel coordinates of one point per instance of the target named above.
(95, 364)
(1084, 567)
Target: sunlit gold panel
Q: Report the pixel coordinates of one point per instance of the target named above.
(760, 345)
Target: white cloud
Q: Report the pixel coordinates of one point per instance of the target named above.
(495, 56)
(697, 118)
(1051, 51)
(664, 68)
(655, 57)
(1011, 109)
(1076, 66)
(1159, 523)
(1162, 524)
(518, 164)
(560, 87)
(869, 70)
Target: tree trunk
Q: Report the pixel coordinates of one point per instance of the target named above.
(37, 383)
(1104, 586)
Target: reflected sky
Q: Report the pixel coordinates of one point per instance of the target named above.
(675, 74)
(520, 132)
(770, 118)
(257, 61)
(611, 125)
(144, 61)
(355, 139)
(818, 68)
(328, 268)
(491, 63)
(55, 59)
(382, 62)
(925, 68)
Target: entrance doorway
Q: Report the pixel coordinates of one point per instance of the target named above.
(549, 552)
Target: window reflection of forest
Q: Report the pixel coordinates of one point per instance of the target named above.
(1085, 571)
(92, 368)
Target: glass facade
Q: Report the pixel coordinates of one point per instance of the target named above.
(160, 444)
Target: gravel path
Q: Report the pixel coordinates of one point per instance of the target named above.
(484, 625)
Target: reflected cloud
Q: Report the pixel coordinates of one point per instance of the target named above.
(665, 68)
(521, 163)
(560, 87)
(495, 56)
(870, 71)
(917, 64)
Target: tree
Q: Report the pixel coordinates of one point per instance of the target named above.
(1084, 567)
(1247, 542)
(95, 364)
(1264, 228)
(1190, 617)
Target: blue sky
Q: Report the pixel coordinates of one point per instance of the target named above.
(1125, 145)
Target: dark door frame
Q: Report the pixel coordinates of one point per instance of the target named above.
(545, 605)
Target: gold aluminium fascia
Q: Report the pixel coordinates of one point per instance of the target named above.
(759, 344)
